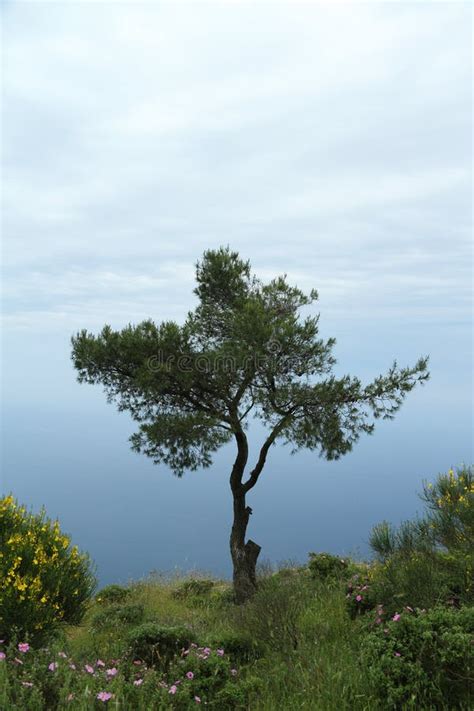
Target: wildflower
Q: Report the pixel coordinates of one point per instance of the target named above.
(197, 699)
(396, 617)
(27, 683)
(173, 689)
(89, 669)
(233, 672)
(220, 652)
(100, 663)
(63, 655)
(112, 672)
(72, 666)
(138, 682)
(397, 654)
(2, 656)
(137, 662)
(359, 598)
(53, 666)
(206, 651)
(189, 675)
(104, 696)
(23, 647)
(378, 621)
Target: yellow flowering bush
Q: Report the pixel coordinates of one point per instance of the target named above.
(450, 502)
(430, 560)
(44, 580)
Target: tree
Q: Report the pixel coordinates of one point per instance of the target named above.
(245, 351)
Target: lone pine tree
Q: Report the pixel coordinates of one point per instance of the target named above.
(244, 352)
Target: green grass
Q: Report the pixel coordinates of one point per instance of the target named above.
(294, 646)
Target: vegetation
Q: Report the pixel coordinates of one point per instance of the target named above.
(44, 580)
(396, 633)
(244, 352)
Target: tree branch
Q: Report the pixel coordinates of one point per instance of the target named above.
(256, 471)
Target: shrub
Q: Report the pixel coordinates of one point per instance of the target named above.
(324, 566)
(360, 594)
(158, 645)
(112, 594)
(422, 660)
(44, 581)
(193, 588)
(114, 615)
(273, 613)
(429, 561)
(215, 680)
(450, 503)
(240, 647)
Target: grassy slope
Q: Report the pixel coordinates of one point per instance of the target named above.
(311, 646)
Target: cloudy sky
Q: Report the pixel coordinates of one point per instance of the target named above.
(328, 141)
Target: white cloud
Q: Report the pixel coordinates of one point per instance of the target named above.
(332, 142)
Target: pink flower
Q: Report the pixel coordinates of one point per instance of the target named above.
(89, 669)
(2, 656)
(197, 699)
(72, 666)
(173, 689)
(104, 696)
(359, 598)
(138, 682)
(112, 672)
(206, 650)
(233, 672)
(396, 617)
(397, 654)
(53, 666)
(220, 652)
(63, 655)
(100, 663)
(189, 675)
(23, 647)
(137, 662)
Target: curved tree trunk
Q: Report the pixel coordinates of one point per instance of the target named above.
(244, 555)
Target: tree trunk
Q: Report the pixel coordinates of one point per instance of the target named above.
(244, 555)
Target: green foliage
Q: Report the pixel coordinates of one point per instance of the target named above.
(112, 594)
(450, 503)
(193, 588)
(240, 647)
(324, 566)
(245, 350)
(113, 615)
(156, 644)
(430, 560)
(272, 615)
(44, 581)
(423, 661)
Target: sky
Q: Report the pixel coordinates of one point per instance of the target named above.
(330, 142)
